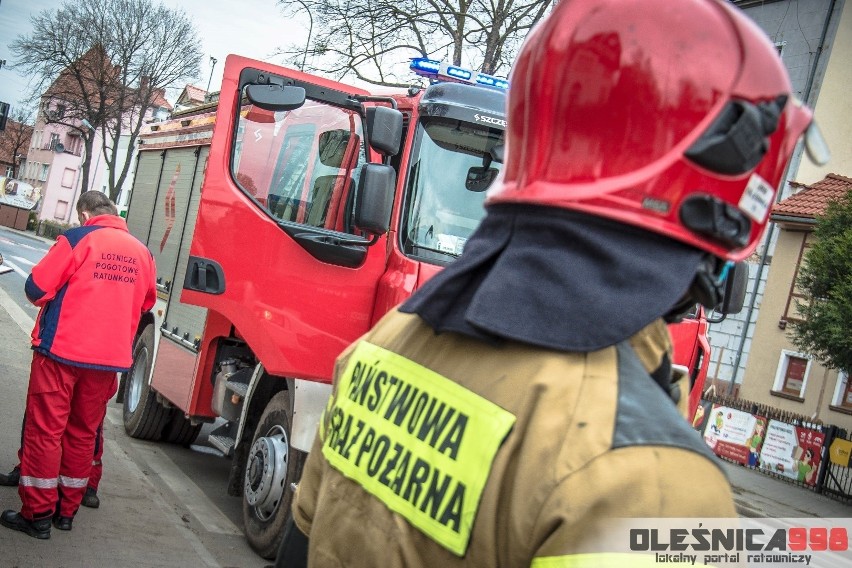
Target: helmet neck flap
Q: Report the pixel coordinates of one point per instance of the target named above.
(556, 279)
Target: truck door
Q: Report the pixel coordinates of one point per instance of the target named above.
(274, 250)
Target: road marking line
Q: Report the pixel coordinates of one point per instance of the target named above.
(24, 260)
(16, 268)
(189, 494)
(19, 316)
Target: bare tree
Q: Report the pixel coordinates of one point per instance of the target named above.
(364, 38)
(105, 63)
(15, 139)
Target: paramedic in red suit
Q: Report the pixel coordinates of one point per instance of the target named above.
(92, 287)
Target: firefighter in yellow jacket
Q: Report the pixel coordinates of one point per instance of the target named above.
(525, 397)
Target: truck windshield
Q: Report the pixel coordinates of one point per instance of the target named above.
(299, 165)
(443, 206)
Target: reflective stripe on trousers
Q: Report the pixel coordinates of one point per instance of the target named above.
(38, 482)
(73, 482)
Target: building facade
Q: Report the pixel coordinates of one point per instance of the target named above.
(813, 40)
(778, 374)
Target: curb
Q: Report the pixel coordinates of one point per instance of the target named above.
(28, 235)
(746, 509)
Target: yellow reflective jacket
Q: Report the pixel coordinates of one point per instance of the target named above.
(517, 456)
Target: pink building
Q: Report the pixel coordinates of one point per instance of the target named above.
(57, 151)
(54, 166)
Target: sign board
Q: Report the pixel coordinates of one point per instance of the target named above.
(16, 193)
(731, 433)
(792, 451)
(840, 451)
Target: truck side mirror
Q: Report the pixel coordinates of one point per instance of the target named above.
(735, 289)
(384, 129)
(374, 201)
(276, 97)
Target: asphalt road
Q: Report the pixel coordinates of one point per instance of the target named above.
(20, 252)
(161, 505)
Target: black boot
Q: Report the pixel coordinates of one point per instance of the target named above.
(36, 529)
(90, 499)
(12, 478)
(62, 523)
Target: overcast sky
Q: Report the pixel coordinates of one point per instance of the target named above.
(253, 28)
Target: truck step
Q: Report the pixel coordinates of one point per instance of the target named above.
(238, 382)
(237, 387)
(224, 444)
(223, 438)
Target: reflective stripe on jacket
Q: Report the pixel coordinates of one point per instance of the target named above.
(594, 438)
(92, 286)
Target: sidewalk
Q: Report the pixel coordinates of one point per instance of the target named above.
(759, 495)
(27, 235)
(139, 524)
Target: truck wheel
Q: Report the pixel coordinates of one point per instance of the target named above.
(180, 430)
(144, 417)
(270, 469)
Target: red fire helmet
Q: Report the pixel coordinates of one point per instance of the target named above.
(677, 117)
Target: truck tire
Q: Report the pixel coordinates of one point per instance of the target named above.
(180, 430)
(144, 417)
(270, 469)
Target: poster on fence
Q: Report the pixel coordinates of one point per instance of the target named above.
(702, 415)
(792, 451)
(734, 434)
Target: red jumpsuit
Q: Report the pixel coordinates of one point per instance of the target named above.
(92, 287)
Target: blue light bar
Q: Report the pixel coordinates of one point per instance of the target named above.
(423, 64)
(459, 73)
(436, 71)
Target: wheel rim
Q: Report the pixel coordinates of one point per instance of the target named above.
(136, 379)
(266, 473)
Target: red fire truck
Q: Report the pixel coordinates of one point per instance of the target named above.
(284, 223)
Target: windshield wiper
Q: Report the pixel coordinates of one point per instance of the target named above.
(412, 242)
(438, 251)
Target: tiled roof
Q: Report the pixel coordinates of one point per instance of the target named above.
(195, 94)
(159, 100)
(813, 200)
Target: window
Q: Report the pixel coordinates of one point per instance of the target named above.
(9, 171)
(450, 168)
(792, 376)
(68, 178)
(843, 391)
(796, 295)
(300, 165)
(54, 140)
(43, 174)
(61, 210)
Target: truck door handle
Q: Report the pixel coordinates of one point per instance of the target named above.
(204, 275)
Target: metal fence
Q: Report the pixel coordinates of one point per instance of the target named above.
(833, 479)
